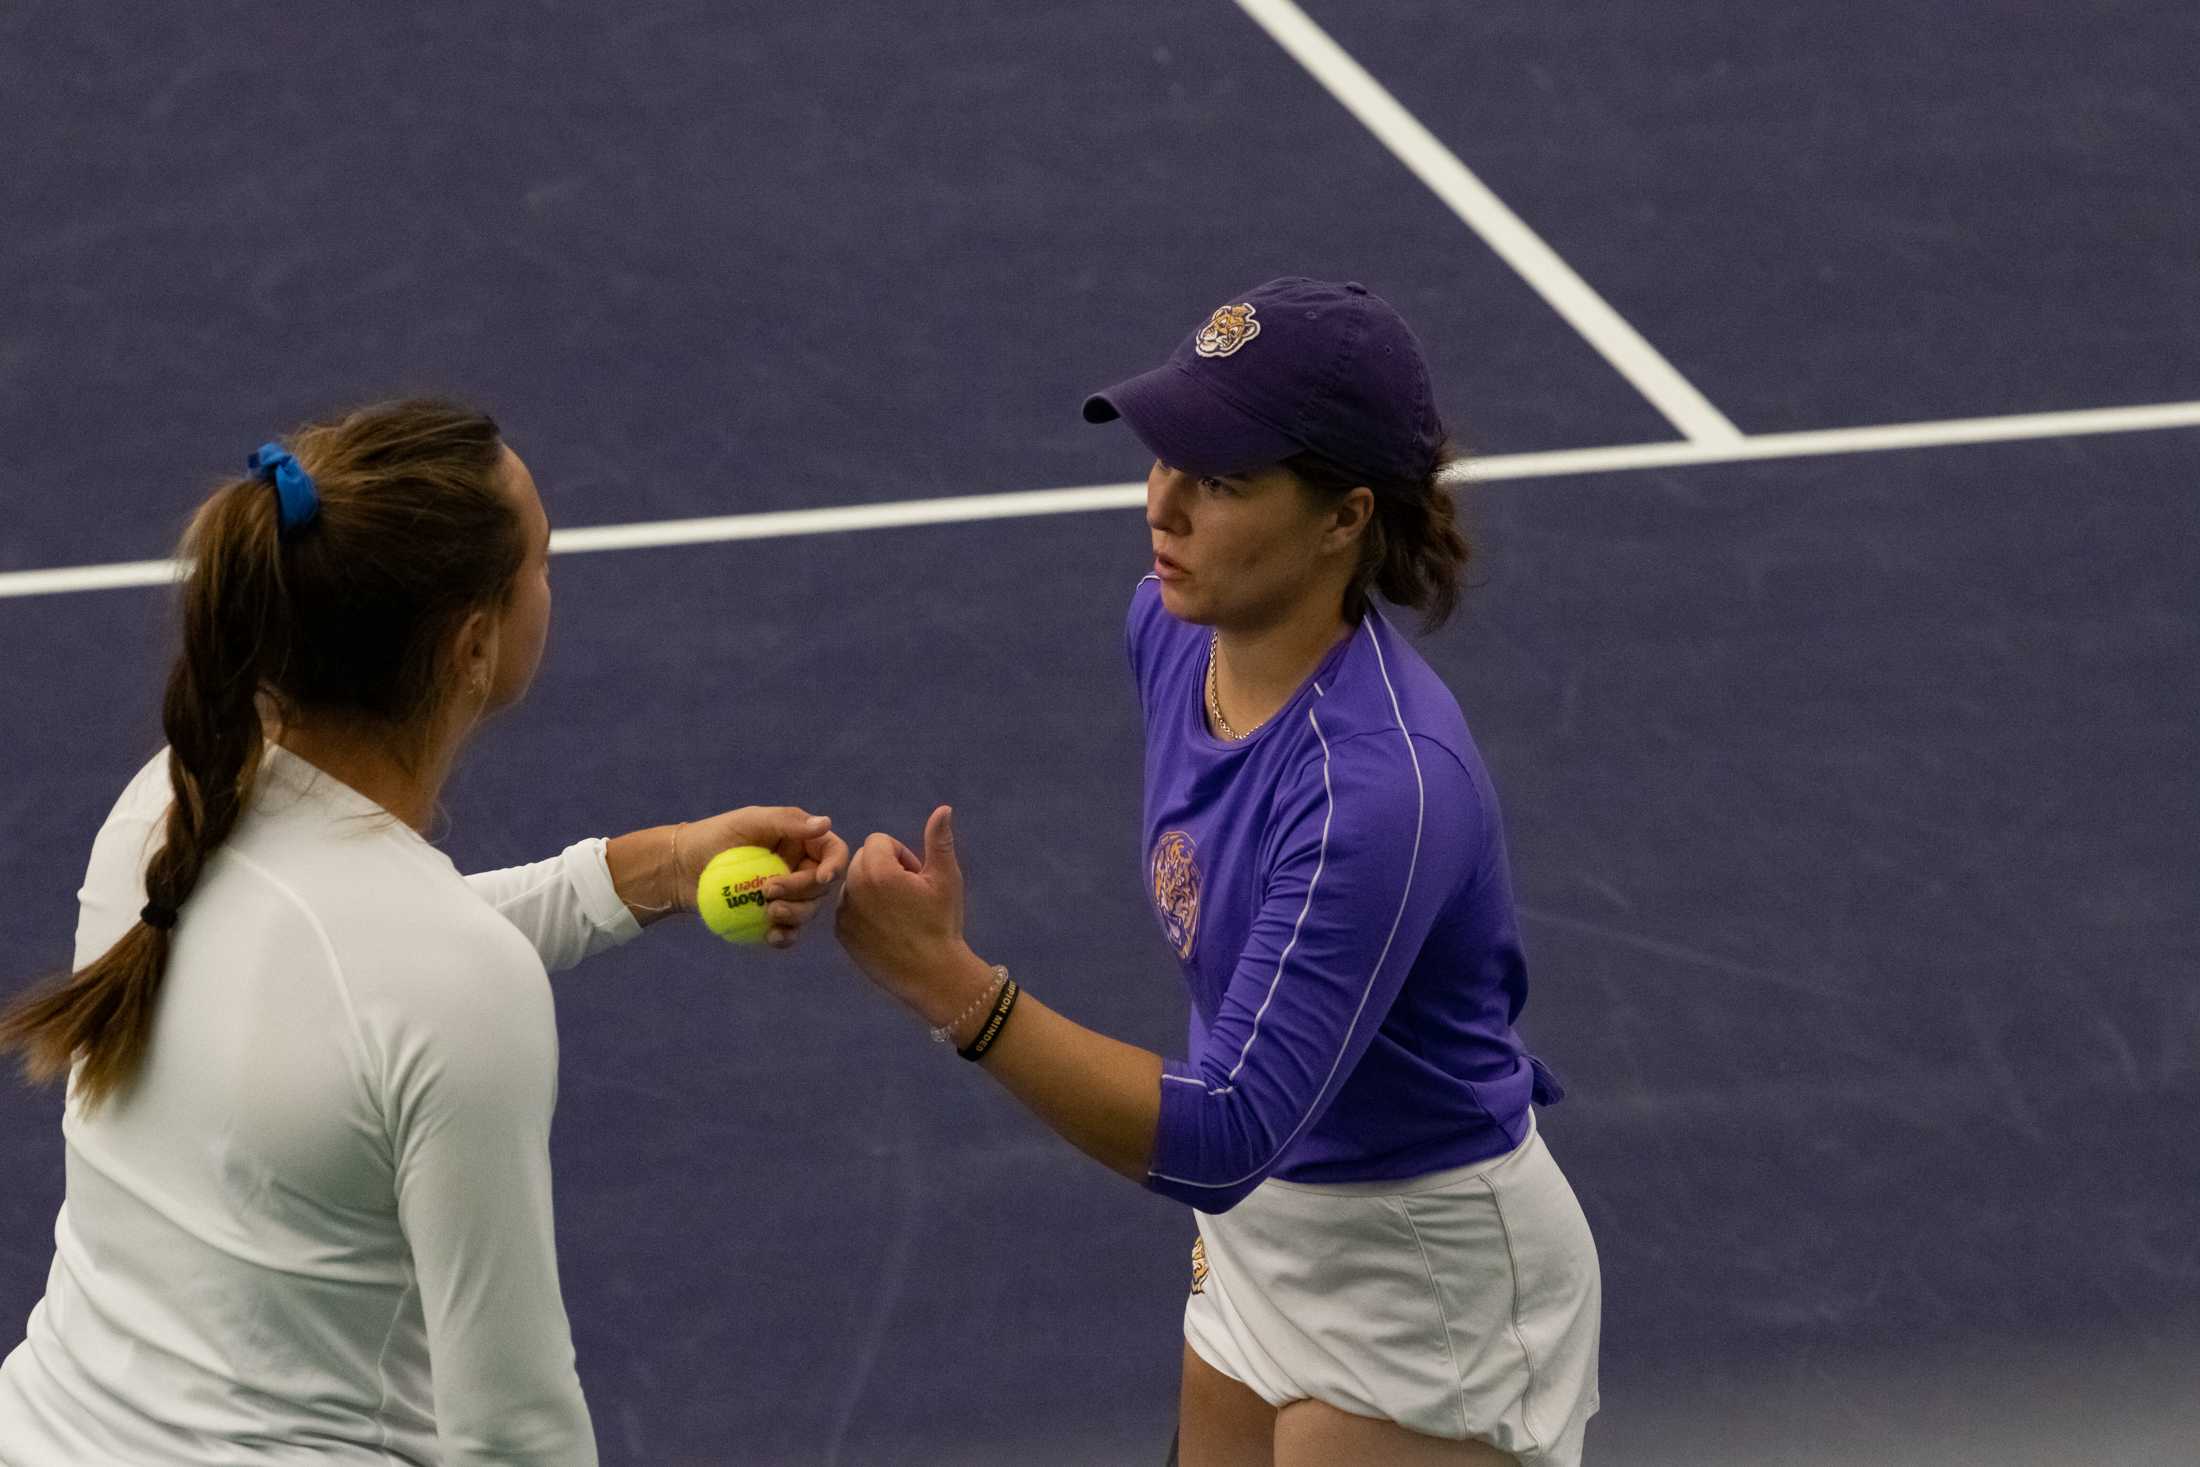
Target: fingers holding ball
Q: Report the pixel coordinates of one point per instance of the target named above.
(730, 894)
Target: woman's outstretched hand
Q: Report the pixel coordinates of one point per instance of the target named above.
(816, 859)
(654, 884)
(901, 921)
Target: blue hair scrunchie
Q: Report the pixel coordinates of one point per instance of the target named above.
(299, 502)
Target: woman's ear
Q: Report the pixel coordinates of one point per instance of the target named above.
(1350, 519)
(474, 652)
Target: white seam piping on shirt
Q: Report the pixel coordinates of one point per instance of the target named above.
(1321, 863)
(377, 1062)
(106, 1391)
(539, 887)
(217, 1245)
(1227, 1089)
(382, 1357)
(1420, 820)
(177, 1216)
(328, 951)
(1184, 1080)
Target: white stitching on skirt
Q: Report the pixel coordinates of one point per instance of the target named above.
(1443, 1316)
(1512, 1264)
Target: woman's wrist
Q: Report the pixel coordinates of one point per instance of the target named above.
(957, 1004)
(996, 1018)
(645, 871)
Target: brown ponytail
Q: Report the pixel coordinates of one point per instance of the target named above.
(1413, 552)
(348, 614)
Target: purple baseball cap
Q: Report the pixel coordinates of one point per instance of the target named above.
(1292, 365)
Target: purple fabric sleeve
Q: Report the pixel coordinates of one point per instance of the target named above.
(1137, 623)
(1349, 892)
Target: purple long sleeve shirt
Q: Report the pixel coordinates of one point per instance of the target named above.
(1336, 890)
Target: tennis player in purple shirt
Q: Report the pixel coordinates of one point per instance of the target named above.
(1390, 1267)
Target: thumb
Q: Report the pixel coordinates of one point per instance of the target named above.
(939, 841)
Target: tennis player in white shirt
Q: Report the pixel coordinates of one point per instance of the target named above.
(311, 1065)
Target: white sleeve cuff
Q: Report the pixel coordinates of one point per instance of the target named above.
(588, 867)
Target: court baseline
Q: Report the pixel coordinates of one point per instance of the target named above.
(1030, 503)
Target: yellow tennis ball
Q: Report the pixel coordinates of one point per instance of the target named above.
(730, 893)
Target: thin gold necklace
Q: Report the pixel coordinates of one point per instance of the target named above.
(1214, 698)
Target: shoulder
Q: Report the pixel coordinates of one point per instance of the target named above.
(1383, 684)
(454, 1013)
(114, 869)
(444, 933)
(144, 800)
(415, 947)
(1150, 633)
(1388, 745)
(460, 1007)
(148, 792)
(1385, 777)
(1146, 613)
(1380, 809)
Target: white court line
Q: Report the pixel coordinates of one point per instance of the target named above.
(86, 578)
(1019, 504)
(1028, 503)
(1500, 228)
(1819, 442)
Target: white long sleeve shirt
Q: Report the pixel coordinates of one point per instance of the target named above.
(317, 1229)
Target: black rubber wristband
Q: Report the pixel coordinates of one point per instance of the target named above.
(995, 1021)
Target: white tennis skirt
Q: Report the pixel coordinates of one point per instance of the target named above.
(1464, 1304)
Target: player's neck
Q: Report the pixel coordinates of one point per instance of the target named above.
(368, 761)
(1260, 667)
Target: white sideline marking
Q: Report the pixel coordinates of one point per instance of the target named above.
(1820, 442)
(87, 578)
(1486, 214)
(1025, 503)
(771, 525)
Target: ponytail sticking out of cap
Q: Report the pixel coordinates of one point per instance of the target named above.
(1413, 553)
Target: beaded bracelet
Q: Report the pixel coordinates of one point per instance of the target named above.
(941, 1033)
(995, 1022)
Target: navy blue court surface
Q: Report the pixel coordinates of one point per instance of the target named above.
(1854, 798)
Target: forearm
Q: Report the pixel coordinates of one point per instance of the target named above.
(1099, 1094)
(642, 871)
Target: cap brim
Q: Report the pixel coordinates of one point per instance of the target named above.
(1189, 426)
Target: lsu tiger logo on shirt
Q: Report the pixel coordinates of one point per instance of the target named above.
(1176, 890)
(1199, 1265)
(1226, 330)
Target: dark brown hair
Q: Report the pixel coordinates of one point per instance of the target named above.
(349, 614)
(1413, 552)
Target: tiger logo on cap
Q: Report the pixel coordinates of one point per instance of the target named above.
(1226, 330)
